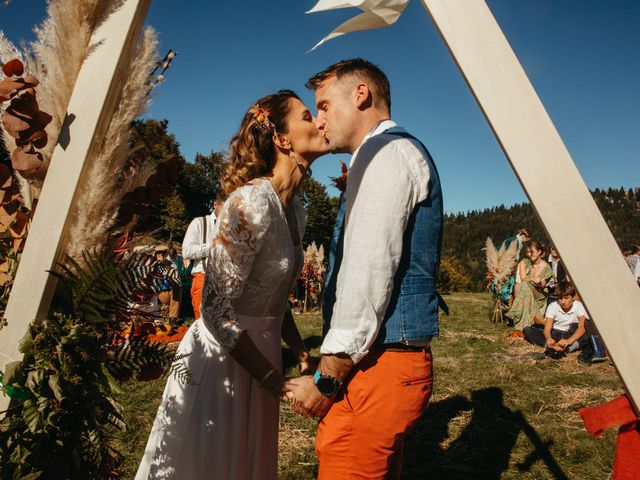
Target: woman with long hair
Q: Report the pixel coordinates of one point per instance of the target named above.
(224, 423)
(530, 301)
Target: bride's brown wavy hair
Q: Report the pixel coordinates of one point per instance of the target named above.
(252, 150)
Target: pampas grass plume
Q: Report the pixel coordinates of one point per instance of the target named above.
(106, 183)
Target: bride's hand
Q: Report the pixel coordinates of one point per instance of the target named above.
(288, 397)
(309, 365)
(276, 387)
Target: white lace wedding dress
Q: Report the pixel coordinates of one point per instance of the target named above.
(225, 426)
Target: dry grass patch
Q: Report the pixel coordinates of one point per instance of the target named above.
(491, 416)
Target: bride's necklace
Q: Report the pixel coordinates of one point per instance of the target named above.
(284, 204)
(290, 218)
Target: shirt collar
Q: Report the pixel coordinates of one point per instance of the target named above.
(570, 311)
(380, 127)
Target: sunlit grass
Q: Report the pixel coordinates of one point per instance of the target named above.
(493, 414)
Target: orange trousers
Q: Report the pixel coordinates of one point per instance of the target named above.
(196, 293)
(362, 435)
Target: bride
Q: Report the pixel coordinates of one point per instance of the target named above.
(224, 425)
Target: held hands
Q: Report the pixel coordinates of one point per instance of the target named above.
(305, 398)
(308, 365)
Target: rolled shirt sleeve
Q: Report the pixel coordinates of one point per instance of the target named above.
(388, 178)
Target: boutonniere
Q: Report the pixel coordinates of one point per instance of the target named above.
(341, 182)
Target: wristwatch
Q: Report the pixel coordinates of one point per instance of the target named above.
(326, 384)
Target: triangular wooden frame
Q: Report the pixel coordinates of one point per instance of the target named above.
(503, 92)
(562, 200)
(95, 97)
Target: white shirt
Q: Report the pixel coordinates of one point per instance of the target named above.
(386, 181)
(554, 264)
(192, 246)
(563, 320)
(636, 272)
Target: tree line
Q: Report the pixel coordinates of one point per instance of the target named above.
(465, 233)
(192, 190)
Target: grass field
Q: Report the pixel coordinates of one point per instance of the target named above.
(493, 413)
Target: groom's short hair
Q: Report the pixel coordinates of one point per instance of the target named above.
(359, 69)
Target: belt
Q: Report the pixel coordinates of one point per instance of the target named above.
(400, 347)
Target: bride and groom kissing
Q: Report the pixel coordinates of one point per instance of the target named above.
(374, 376)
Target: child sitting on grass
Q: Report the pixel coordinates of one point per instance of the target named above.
(564, 325)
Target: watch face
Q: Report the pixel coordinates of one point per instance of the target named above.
(327, 385)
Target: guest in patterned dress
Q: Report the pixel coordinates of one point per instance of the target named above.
(530, 300)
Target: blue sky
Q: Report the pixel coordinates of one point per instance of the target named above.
(582, 57)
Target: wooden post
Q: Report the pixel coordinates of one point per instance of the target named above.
(95, 97)
(560, 197)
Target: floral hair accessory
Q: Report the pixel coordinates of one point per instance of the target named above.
(263, 122)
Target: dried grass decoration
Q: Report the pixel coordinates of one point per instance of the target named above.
(55, 57)
(500, 266)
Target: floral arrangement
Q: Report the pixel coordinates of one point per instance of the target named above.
(500, 263)
(22, 119)
(63, 42)
(25, 123)
(341, 182)
(312, 274)
(500, 266)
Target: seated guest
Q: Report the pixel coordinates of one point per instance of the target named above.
(512, 282)
(559, 273)
(632, 256)
(530, 299)
(557, 266)
(564, 325)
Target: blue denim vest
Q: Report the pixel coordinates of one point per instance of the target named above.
(412, 313)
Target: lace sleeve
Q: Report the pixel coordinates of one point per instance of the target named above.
(242, 226)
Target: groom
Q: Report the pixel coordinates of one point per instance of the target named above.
(381, 307)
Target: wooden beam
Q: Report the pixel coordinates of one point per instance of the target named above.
(95, 97)
(561, 198)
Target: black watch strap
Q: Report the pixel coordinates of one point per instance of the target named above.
(326, 384)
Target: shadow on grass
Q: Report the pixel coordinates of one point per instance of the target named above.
(483, 448)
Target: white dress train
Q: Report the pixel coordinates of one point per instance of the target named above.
(224, 425)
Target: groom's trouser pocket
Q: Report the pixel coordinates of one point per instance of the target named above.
(361, 435)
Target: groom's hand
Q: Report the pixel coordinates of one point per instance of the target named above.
(307, 399)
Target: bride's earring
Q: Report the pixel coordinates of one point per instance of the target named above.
(305, 171)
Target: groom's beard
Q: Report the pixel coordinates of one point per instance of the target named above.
(336, 149)
(335, 146)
